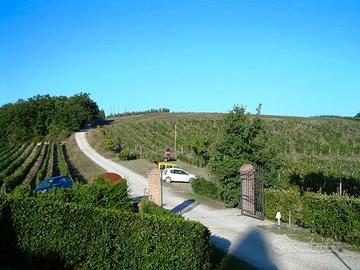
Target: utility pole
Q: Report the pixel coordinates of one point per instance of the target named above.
(175, 142)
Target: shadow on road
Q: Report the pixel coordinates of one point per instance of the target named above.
(221, 243)
(254, 249)
(184, 207)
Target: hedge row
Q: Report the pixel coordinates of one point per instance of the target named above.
(329, 215)
(80, 236)
(99, 194)
(14, 162)
(44, 166)
(282, 201)
(16, 179)
(333, 216)
(63, 166)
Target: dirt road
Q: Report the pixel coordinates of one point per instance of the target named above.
(235, 233)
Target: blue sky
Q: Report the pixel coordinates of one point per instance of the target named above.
(294, 57)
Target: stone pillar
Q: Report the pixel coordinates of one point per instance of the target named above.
(247, 174)
(155, 186)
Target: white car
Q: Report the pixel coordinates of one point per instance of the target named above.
(176, 175)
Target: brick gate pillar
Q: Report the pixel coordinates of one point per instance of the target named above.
(155, 186)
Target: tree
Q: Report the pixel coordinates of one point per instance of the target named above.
(42, 116)
(358, 115)
(243, 140)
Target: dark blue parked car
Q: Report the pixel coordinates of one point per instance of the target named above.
(50, 183)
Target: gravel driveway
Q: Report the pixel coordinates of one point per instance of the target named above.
(233, 232)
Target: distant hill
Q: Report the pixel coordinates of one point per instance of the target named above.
(326, 146)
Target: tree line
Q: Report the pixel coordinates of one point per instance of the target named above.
(45, 117)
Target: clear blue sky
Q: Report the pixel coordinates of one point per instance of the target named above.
(294, 57)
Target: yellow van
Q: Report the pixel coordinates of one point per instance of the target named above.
(165, 165)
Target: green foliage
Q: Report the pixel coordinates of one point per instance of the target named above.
(15, 161)
(43, 116)
(98, 194)
(204, 187)
(243, 141)
(16, 179)
(151, 208)
(103, 194)
(149, 139)
(333, 216)
(63, 167)
(277, 200)
(83, 237)
(41, 174)
(328, 215)
(127, 155)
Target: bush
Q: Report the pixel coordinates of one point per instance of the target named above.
(281, 201)
(333, 216)
(112, 177)
(154, 157)
(204, 187)
(84, 237)
(127, 155)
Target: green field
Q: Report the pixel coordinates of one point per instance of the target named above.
(317, 149)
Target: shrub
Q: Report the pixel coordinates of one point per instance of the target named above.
(333, 216)
(112, 177)
(281, 201)
(127, 155)
(204, 187)
(84, 237)
(154, 157)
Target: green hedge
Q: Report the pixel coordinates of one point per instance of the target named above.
(333, 216)
(204, 187)
(281, 201)
(98, 194)
(151, 208)
(66, 228)
(84, 237)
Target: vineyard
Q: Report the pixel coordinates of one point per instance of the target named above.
(326, 148)
(29, 163)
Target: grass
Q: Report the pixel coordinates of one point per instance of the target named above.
(84, 166)
(306, 236)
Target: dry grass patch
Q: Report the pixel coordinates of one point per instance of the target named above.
(85, 166)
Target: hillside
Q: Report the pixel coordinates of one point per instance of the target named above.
(316, 149)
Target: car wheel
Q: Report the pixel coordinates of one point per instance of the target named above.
(168, 180)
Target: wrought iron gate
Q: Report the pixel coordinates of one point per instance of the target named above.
(252, 192)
